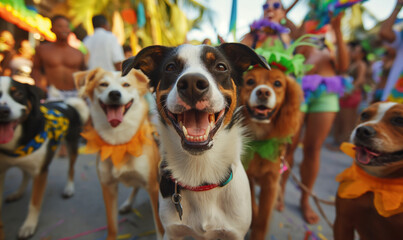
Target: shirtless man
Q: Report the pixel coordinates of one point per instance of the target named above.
(55, 62)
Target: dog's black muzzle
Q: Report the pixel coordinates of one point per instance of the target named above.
(114, 97)
(5, 113)
(363, 135)
(192, 88)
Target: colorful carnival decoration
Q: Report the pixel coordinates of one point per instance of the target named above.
(15, 11)
(318, 16)
(284, 58)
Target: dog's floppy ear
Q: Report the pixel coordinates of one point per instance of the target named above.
(289, 117)
(82, 80)
(34, 95)
(147, 60)
(242, 56)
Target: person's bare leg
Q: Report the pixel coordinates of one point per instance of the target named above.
(318, 126)
(289, 158)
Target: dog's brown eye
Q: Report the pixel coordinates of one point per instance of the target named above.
(104, 84)
(365, 116)
(278, 84)
(126, 85)
(250, 82)
(221, 67)
(17, 94)
(170, 67)
(398, 121)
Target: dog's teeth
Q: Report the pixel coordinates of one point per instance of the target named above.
(207, 131)
(184, 130)
(211, 118)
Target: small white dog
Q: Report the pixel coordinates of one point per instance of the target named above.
(122, 137)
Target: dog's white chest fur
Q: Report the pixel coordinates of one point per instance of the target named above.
(220, 213)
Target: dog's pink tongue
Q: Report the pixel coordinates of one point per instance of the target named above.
(6, 132)
(196, 122)
(114, 115)
(364, 155)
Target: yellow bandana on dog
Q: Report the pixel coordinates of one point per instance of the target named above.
(354, 182)
(134, 147)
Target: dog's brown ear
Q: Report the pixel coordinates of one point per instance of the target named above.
(79, 79)
(142, 80)
(147, 60)
(289, 118)
(83, 78)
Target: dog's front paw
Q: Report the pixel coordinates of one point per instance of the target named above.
(14, 197)
(68, 191)
(26, 231)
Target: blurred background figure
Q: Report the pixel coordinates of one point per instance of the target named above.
(381, 70)
(21, 64)
(127, 51)
(104, 48)
(350, 101)
(322, 86)
(7, 52)
(269, 28)
(55, 62)
(393, 90)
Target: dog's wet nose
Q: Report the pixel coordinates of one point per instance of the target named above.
(365, 132)
(263, 93)
(4, 112)
(114, 95)
(193, 86)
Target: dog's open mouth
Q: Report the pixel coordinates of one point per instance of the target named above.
(197, 128)
(7, 131)
(260, 112)
(115, 113)
(370, 157)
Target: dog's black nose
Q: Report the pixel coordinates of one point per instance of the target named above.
(4, 112)
(114, 95)
(193, 86)
(365, 132)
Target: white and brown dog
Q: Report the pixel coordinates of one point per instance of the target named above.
(204, 188)
(122, 136)
(370, 194)
(30, 133)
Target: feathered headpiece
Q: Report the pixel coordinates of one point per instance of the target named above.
(284, 59)
(318, 16)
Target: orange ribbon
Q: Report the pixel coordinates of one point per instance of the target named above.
(117, 153)
(354, 182)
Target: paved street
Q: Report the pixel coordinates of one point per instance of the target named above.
(83, 217)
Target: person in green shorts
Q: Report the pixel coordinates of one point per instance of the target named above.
(322, 87)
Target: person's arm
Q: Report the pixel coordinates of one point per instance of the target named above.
(37, 67)
(386, 32)
(343, 59)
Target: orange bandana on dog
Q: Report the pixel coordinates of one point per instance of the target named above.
(134, 147)
(354, 182)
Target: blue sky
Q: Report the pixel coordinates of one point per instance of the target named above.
(250, 10)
